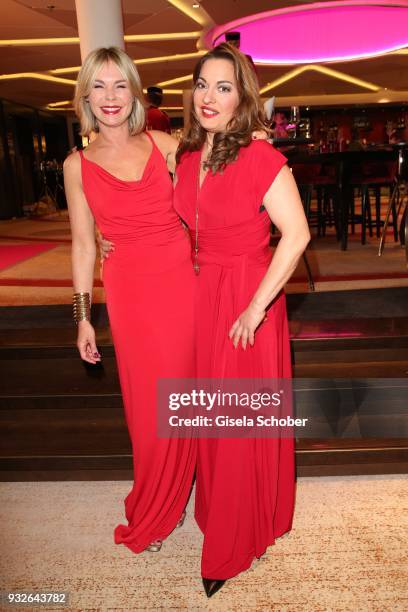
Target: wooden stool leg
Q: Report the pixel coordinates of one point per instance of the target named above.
(378, 210)
(327, 207)
(352, 211)
(308, 271)
(304, 195)
(326, 211)
(391, 207)
(336, 215)
(395, 207)
(319, 212)
(369, 217)
(404, 224)
(363, 214)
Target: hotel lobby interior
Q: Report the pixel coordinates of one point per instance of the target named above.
(333, 76)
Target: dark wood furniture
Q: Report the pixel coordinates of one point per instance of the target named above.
(345, 163)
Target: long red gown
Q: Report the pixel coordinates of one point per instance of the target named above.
(244, 487)
(149, 284)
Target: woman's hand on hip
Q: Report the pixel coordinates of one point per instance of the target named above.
(105, 246)
(86, 343)
(245, 326)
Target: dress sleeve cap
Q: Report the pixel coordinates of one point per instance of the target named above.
(268, 161)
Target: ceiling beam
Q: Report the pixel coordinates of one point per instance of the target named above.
(38, 76)
(336, 74)
(181, 79)
(176, 57)
(131, 38)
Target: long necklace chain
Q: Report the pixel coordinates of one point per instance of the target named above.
(196, 264)
(202, 163)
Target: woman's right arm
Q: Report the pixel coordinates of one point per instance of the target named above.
(167, 146)
(83, 250)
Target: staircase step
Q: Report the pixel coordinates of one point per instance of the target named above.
(64, 419)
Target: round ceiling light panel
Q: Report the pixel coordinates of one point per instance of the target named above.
(320, 32)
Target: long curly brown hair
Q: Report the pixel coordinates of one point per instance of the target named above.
(248, 116)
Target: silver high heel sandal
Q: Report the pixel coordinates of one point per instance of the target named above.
(182, 519)
(154, 546)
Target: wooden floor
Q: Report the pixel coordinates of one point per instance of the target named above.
(62, 419)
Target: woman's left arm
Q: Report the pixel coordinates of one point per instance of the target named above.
(284, 206)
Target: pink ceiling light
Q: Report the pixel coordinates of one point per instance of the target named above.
(320, 32)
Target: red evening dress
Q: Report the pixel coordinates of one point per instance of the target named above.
(244, 487)
(149, 284)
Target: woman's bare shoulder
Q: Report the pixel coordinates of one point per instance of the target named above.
(166, 143)
(72, 164)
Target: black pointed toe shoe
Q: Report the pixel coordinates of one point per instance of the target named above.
(211, 586)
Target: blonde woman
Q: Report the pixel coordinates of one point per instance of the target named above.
(121, 181)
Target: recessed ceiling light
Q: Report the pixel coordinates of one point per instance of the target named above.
(196, 5)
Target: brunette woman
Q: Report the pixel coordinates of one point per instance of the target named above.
(229, 189)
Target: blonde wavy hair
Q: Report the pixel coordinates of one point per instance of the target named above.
(248, 116)
(86, 78)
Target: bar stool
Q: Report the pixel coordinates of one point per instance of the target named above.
(372, 176)
(327, 199)
(303, 174)
(312, 177)
(398, 202)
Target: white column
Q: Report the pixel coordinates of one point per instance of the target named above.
(187, 104)
(100, 24)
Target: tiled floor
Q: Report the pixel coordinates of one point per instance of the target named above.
(346, 551)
